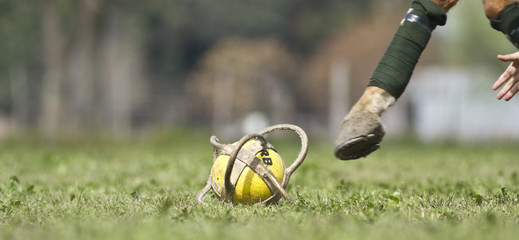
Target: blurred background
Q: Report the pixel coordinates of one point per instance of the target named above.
(122, 68)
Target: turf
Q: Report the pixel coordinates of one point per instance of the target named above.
(145, 189)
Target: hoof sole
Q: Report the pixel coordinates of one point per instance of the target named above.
(357, 147)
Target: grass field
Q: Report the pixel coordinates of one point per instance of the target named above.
(145, 190)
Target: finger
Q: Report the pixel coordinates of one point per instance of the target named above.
(509, 57)
(505, 88)
(512, 92)
(504, 77)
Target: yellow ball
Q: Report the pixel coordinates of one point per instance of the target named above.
(250, 187)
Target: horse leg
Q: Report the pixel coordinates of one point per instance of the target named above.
(361, 130)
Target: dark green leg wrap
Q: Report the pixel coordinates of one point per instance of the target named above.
(396, 66)
(508, 23)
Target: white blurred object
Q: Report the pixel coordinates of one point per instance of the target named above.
(254, 122)
(455, 104)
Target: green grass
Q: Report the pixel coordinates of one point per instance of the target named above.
(145, 190)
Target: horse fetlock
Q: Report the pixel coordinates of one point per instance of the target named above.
(374, 100)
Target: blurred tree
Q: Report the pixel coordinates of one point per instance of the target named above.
(122, 84)
(92, 66)
(53, 45)
(19, 39)
(240, 76)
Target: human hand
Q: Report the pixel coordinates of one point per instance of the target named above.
(509, 80)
